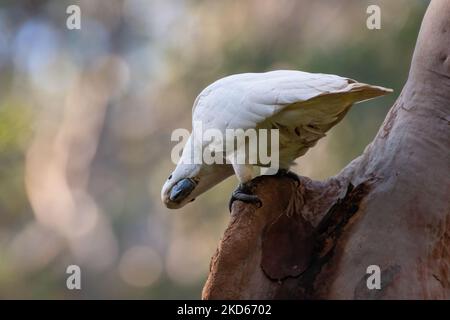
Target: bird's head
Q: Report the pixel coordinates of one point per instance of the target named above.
(180, 185)
(188, 181)
(191, 178)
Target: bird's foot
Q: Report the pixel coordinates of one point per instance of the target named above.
(244, 193)
(289, 174)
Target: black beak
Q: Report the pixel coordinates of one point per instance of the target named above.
(181, 190)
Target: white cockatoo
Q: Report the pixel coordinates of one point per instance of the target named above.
(302, 106)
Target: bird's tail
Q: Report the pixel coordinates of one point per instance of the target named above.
(358, 92)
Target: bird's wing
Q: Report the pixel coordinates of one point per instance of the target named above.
(246, 100)
(302, 105)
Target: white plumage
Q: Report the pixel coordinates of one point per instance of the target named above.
(303, 106)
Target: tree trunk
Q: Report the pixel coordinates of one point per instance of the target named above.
(389, 207)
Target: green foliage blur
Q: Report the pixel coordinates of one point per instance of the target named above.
(86, 117)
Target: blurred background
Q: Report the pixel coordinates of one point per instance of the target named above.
(86, 117)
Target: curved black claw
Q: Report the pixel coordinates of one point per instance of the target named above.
(289, 174)
(244, 194)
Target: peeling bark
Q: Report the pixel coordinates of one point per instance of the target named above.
(389, 207)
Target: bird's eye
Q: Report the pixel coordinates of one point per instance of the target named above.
(170, 177)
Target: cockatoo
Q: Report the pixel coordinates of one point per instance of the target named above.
(302, 106)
